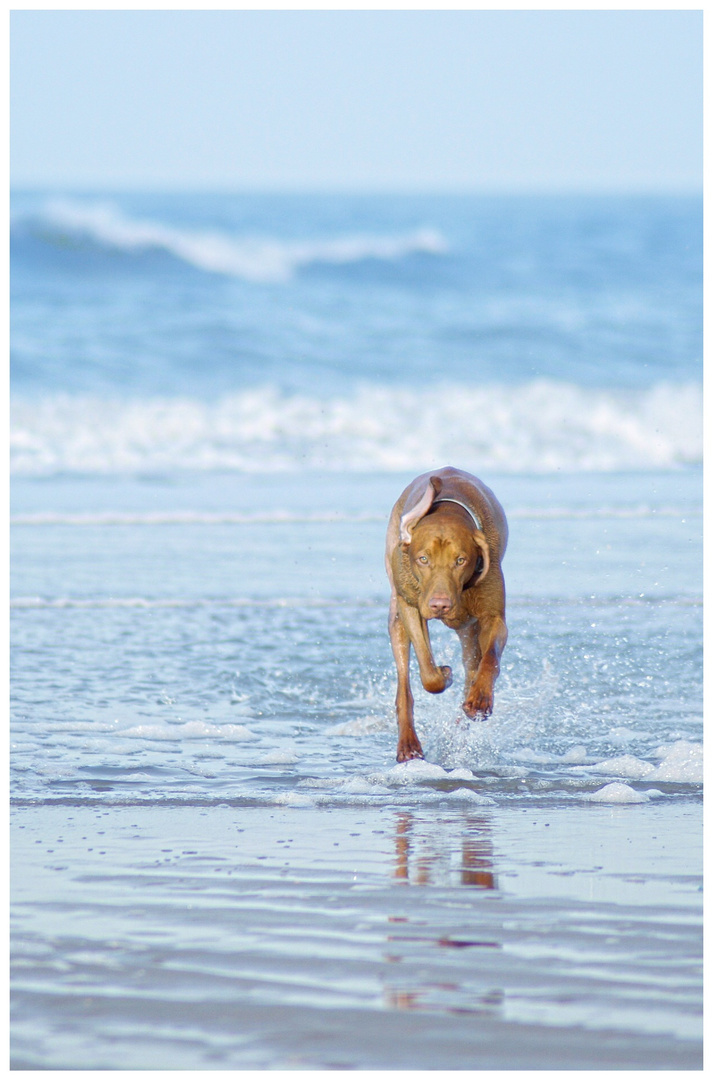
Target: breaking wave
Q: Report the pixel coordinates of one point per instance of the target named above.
(538, 427)
(252, 258)
(289, 517)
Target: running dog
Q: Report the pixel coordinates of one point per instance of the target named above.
(444, 544)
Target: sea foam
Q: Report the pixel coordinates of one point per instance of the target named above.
(537, 427)
(679, 763)
(617, 793)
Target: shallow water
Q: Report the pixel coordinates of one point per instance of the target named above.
(214, 842)
(217, 862)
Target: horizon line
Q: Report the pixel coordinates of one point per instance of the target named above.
(365, 191)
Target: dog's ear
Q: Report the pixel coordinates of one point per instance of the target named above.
(483, 564)
(411, 517)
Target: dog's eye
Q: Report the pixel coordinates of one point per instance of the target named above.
(460, 560)
(423, 558)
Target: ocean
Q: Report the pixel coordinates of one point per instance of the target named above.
(216, 861)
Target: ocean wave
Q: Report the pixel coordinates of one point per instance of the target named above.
(194, 517)
(529, 603)
(252, 258)
(40, 603)
(537, 427)
(151, 518)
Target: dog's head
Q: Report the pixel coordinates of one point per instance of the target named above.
(447, 553)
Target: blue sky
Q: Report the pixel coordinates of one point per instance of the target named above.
(357, 100)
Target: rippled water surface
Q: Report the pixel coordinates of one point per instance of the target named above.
(218, 862)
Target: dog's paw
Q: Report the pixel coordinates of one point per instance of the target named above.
(439, 681)
(478, 704)
(409, 749)
(447, 674)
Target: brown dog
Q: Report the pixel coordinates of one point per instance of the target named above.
(445, 540)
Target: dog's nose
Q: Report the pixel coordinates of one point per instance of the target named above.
(440, 604)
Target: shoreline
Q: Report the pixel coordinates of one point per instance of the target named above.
(324, 938)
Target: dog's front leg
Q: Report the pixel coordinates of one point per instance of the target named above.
(492, 635)
(408, 745)
(434, 679)
(470, 648)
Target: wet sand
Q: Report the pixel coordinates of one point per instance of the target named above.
(348, 937)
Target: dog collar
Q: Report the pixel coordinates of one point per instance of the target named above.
(478, 526)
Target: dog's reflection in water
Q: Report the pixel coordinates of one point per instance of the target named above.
(456, 852)
(420, 862)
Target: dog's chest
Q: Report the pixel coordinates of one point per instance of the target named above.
(404, 579)
(461, 617)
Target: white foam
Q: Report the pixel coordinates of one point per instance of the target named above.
(352, 785)
(681, 763)
(469, 796)
(361, 791)
(617, 793)
(420, 773)
(535, 757)
(623, 735)
(252, 258)
(575, 756)
(279, 757)
(415, 771)
(461, 774)
(626, 765)
(536, 427)
(360, 785)
(192, 729)
(406, 782)
(457, 795)
(293, 798)
(362, 725)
